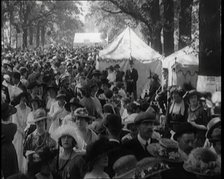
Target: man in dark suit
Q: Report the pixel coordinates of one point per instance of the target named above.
(131, 78)
(113, 128)
(16, 81)
(119, 74)
(144, 122)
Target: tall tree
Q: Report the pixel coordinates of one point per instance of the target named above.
(210, 38)
(168, 27)
(185, 23)
(147, 12)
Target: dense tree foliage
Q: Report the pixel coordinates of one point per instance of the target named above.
(57, 19)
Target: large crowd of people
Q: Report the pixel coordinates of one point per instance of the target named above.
(61, 118)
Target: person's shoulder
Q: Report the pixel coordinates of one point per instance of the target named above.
(89, 176)
(131, 142)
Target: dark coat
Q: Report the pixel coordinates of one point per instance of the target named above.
(177, 172)
(119, 76)
(117, 150)
(131, 79)
(22, 87)
(6, 92)
(136, 148)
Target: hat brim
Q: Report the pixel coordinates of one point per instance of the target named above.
(70, 130)
(190, 170)
(85, 117)
(96, 74)
(126, 174)
(209, 132)
(38, 119)
(155, 122)
(61, 97)
(68, 105)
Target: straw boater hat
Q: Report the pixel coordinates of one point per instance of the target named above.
(75, 102)
(203, 162)
(68, 130)
(61, 95)
(150, 166)
(125, 167)
(216, 135)
(83, 113)
(213, 123)
(39, 114)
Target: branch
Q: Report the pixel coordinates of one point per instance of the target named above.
(111, 12)
(44, 15)
(134, 12)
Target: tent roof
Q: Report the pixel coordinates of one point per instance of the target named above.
(128, 45)
(185, 56)
(88, 38)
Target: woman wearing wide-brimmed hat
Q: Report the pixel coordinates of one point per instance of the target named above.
(58, 112)
(176, 109)
(197, 116)
(83, 120)
(125, 167)
(69, 163)
(38, 139)
(20, 119)
(203, 163)
(30, 125)
(97, 159)
(9, 162)
(51, 95)
(71, 106)
(213, 136)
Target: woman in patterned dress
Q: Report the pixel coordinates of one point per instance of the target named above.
(37, 140)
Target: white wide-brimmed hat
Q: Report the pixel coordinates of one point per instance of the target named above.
(39, 114)
(68, 130)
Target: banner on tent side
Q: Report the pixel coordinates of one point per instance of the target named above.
(209, 83)
(180, 74)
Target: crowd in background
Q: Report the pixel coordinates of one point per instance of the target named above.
(62, 118)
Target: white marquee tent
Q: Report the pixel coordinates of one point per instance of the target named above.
(88, 38)
(129, 46)
(182, 67)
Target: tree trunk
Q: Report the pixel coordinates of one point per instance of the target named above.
(42, 35)
(168, 28)
(16, 40)
(25, 33)
(38, 35)
(185, 23)
(156, 30)
(31, 35)
(210, 38)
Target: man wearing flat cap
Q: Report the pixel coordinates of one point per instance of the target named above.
(144, 122)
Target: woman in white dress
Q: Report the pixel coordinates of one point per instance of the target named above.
(59, 113)
(30, 125)
(20, 119)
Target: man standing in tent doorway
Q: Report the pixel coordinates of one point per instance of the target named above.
(131, 78)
